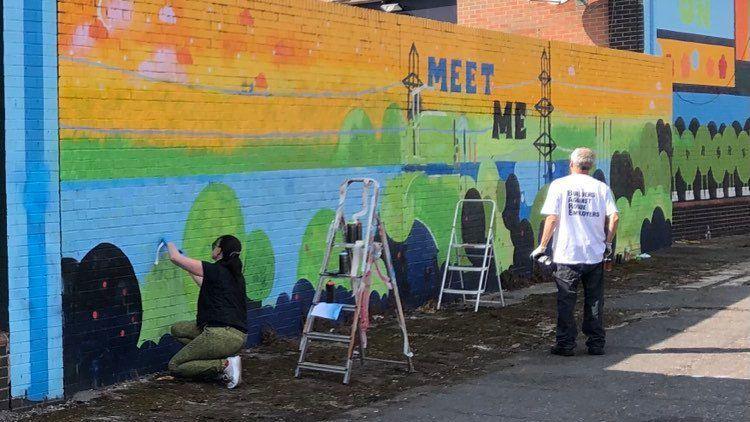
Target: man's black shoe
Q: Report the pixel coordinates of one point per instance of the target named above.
(562, 351)
(596, 351)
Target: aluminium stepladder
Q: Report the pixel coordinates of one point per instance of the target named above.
(462, 252)
(363, 254)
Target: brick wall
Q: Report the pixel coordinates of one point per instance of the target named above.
(694, 220)
(626, 25)
(3, 200)
(571, 21)
(32, 186)
(4, 372)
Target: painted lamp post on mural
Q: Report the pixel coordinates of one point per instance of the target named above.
(415, 111)
(544, 143)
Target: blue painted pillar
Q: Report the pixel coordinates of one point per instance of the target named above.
(32, 183)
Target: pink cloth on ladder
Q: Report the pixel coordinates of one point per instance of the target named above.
(364, 301)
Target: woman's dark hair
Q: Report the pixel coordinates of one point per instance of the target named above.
(230, 250)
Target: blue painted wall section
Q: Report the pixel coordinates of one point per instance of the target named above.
(30, 48)
(702, 23)
(703, 17)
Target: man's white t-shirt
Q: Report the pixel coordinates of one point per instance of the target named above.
(581, 203)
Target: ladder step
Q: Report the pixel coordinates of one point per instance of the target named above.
(316, 335)
(468, 269)
(312, 366)
(343, 245)
(471, 245)
(461, 292)
(470, 255)
(337, 275)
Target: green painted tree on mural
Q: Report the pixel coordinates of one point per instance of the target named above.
(415, 196)
(645, 154)
(683, 160)
(313, 247)
(721, 161)
(503, 244)
(743, 156)
(536, 217)
(392, 136)
(705, 152)
(733, 153)
(259, 265)
(397, 207)
(434, 204)
(356, 145)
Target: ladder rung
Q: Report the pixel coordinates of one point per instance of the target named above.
(471, 245)
(470, 255)
(337, 275)
(457, 268)
(462, 292)
(312, 366)
(315, 335)
(343, 245)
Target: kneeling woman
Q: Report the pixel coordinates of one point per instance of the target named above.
(213, 341)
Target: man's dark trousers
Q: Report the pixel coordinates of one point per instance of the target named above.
(568, 277)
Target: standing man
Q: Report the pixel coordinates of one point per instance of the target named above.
(582, 215)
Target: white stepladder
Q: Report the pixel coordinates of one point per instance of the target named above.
(462, 254)
(361, 251)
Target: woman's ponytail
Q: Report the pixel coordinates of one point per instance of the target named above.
(230, 250)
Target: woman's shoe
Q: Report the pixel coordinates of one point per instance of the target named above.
(233, 372)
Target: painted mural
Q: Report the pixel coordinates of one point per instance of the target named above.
(707, 42)
(188, 120)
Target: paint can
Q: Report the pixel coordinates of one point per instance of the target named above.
(345, 262)
(330, 290)
(353, 232)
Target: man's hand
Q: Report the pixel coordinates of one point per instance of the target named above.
(539, 251)
(608, 250)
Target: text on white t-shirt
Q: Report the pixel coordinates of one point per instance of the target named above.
(581, 203)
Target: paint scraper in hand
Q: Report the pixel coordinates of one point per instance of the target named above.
(161, 246)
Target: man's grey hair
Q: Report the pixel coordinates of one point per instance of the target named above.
(583, 158)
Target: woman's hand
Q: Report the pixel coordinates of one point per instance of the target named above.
(173, 251)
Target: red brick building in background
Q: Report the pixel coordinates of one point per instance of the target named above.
(607, 23)
(571, 21)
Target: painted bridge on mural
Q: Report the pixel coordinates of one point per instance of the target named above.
(130, 121)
